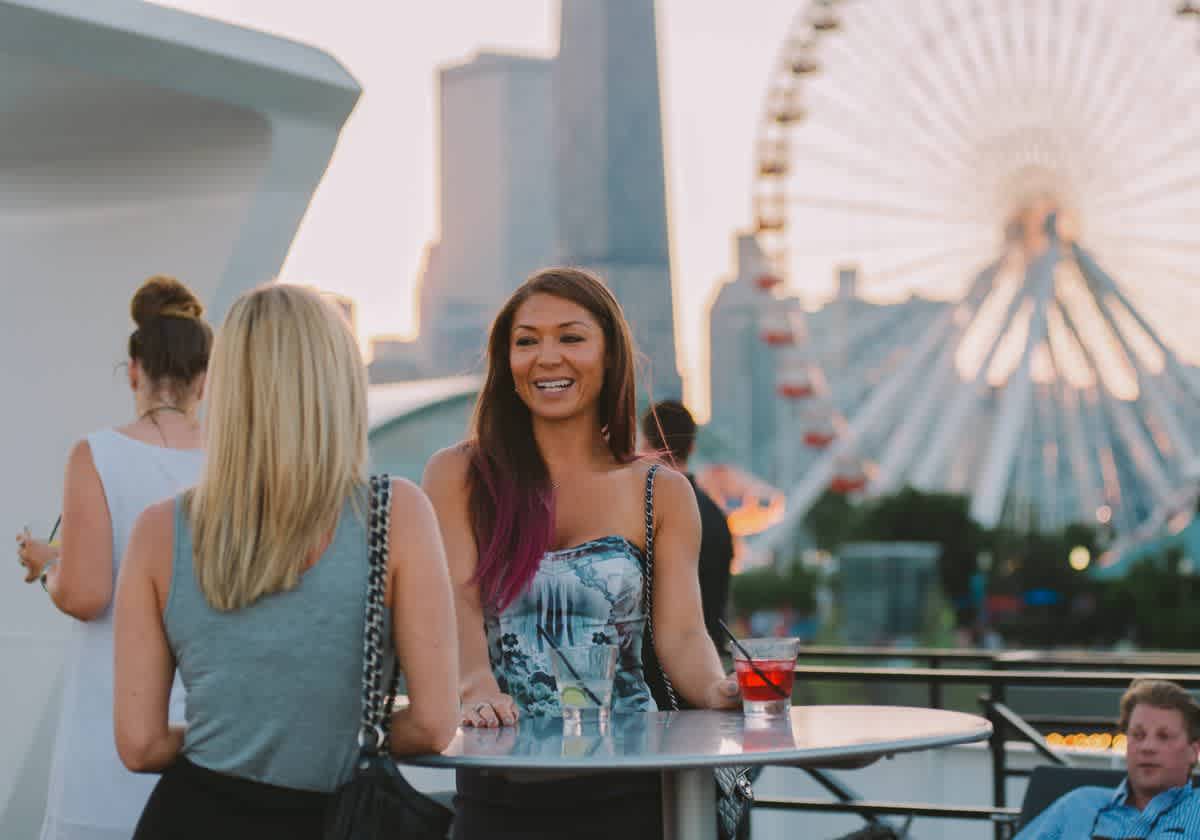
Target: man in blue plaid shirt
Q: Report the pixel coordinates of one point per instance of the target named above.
(1157, 800)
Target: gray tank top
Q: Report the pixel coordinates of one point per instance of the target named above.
(274, 691)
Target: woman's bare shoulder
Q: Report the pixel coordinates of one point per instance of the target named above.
(448, 467)
(666, 478)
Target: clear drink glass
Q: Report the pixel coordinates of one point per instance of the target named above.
(765, 674)
(585, 681)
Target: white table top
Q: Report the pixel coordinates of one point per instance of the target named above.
(678, 740)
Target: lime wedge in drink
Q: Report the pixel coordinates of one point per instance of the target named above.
(573, 695)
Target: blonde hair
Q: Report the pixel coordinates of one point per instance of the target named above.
(287, 443)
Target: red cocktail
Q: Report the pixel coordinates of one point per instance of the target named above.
(773, 681)
(765, 673)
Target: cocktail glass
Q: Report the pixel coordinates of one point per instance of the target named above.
(585, 681)
(765, 673)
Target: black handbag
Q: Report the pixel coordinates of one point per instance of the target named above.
(735, 793)
(378, 802)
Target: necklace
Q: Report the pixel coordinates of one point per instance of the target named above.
(153, 413)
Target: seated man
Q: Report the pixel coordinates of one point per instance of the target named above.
(1162, 724)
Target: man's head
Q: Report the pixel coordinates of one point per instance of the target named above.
(1162, 724)
(669, 428)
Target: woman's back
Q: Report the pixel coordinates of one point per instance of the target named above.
(91, 795)
(274, 689)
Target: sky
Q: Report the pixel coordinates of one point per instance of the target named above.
(375, 211)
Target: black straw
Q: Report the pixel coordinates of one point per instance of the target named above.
(570, 667)
(750, 659)
(54, 530)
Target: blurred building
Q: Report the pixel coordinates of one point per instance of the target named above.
(496, 187)
(854, 343)
(410, 421)
(745, 414)
(611, 182)
(395, 359)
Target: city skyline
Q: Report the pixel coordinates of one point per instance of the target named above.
(376, 210)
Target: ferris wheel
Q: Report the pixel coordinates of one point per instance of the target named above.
(1035, 166)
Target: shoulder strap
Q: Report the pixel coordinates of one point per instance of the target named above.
(648, 591)
(376, 706)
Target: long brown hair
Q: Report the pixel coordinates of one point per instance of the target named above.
(510, 500)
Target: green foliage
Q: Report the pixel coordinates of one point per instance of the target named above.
(831, 520)
(1160, 602)
(1155, 604)
(793, 587)
(906, 516)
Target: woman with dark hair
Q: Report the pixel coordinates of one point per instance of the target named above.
(543, 512)
(111, 476)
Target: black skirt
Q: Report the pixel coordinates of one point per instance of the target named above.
(193, 803)
(600, 806)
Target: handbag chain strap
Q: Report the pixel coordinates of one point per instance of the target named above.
(377, 705)
(648, 584)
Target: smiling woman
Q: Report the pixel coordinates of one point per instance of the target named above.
(547, 516)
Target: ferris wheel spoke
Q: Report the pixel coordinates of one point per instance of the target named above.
(1155, 192)
(1180, 271)
(956, 89)
(1163, 157)
(1104, 71)
(1075, 438)
(877, 208)
(939, 106)
(1124, 59)
(1157, 243)
(1147, 385)
(969, 51)
(1171, 360)
(865, 90)
(1113, 127)
(893, 85)
(856, 106)
(1129, 430)
(960, 255)
(860, 167)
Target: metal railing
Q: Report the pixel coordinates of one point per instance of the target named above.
(1002, 670)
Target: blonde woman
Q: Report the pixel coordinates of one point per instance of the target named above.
(253, 586)
(112, 475)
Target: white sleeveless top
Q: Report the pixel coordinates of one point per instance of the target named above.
(91, 795)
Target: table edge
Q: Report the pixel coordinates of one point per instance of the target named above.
(798, 758)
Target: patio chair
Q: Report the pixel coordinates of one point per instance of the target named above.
(1048, 782)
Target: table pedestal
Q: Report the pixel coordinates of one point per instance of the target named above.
(689, 804)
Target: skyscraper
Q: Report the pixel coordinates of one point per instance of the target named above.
(612, 208)
(745, 413)
(496, 186)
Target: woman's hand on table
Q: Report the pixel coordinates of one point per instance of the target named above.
(487, 710)
(33, 555)
(725, 694)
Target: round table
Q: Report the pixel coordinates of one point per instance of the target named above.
(685, 745)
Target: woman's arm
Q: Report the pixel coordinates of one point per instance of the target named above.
(681, 640)
(445, 481)
(81, 583)
(422, 625)
(144, 665)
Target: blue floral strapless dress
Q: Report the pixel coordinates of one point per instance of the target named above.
(587, 594)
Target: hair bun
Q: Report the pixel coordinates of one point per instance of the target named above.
(162, 296)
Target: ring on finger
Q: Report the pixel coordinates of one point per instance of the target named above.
(479, 707)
